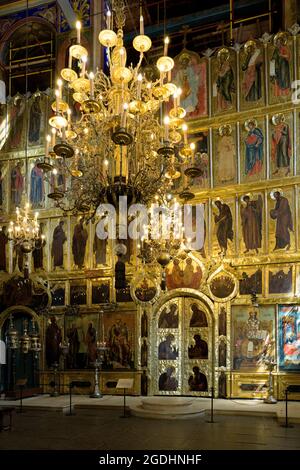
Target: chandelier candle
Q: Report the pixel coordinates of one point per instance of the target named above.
(78, 27)
(108, 19)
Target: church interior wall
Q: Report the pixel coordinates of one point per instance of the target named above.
(247, 144)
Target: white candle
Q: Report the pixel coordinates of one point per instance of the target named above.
(166, 43)
(175, 100)
(139, 86)
(78, 27)
(166, 123)
(91, 77)
(161, 78)
(70, 60)
(48, 140)
(185, 128)
(83, 62)
(59, 84)
(179, 91)
(57, 100)
(53, 137)
(141, 25)
(108, 19)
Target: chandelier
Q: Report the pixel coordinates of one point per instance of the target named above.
(25, 231)
(122, 142)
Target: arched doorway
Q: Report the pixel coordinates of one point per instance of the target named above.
(182, 345)
(19, 365)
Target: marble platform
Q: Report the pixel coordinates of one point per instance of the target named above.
(221, 406)
(168, 408)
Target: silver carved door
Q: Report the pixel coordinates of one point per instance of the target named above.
(182, 346)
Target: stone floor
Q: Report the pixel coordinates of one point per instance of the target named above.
(100, 427)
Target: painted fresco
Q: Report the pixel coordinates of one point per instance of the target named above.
(225, 155)
(281, 145)
(280, 59)
(252, 75)
(253, 150)
(119, 333)
(224, 81)
(190, 74)
(252, 330)
(289, 337)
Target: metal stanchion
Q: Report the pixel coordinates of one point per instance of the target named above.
(286, 424)
(70, 413)
(125, 415)
(212, 406)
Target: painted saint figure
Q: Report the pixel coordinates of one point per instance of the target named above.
(57, 251)
(166, 350)
(225, 156)
(91, 341)
(17, 185)
(225, 81)
(35, 120)
(36, 186)
(3, 243)
(169, 317)
(252, 68)
(53, 340)
(254, 148)
(281, 62)
(284, 221)
(188, 81)
(198, 381)
(281, 145)
(199, 350)
(251, 215)
(80, 236)
(166, 382)
(223, 222)
(198, 318)
(99, 249)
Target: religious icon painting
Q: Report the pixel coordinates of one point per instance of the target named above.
(101, 254)
(222, 285)
(16, 137)
(37, 186)
(4, 125)
(81, 333)
(120, 337)
(40, 250)
(100, 291)
(281, 280)
(17, 179)
(281, 222)
(4, 248)
(224, 81)
(225, 155)
(78, 292)
(58, 294)
(190, 75)
(281, 74)
(252, 331)
(168, 379)
(200, 160)
(223, 223)
(145, 288)
(281, 145)
(168, 316)
(79, 243)
(184, 271)
(58, 244)
(251, 236)
(289, 337)
(4, 179)
(37, 115)
(250, 280)
(252, 150)
(252, 75)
